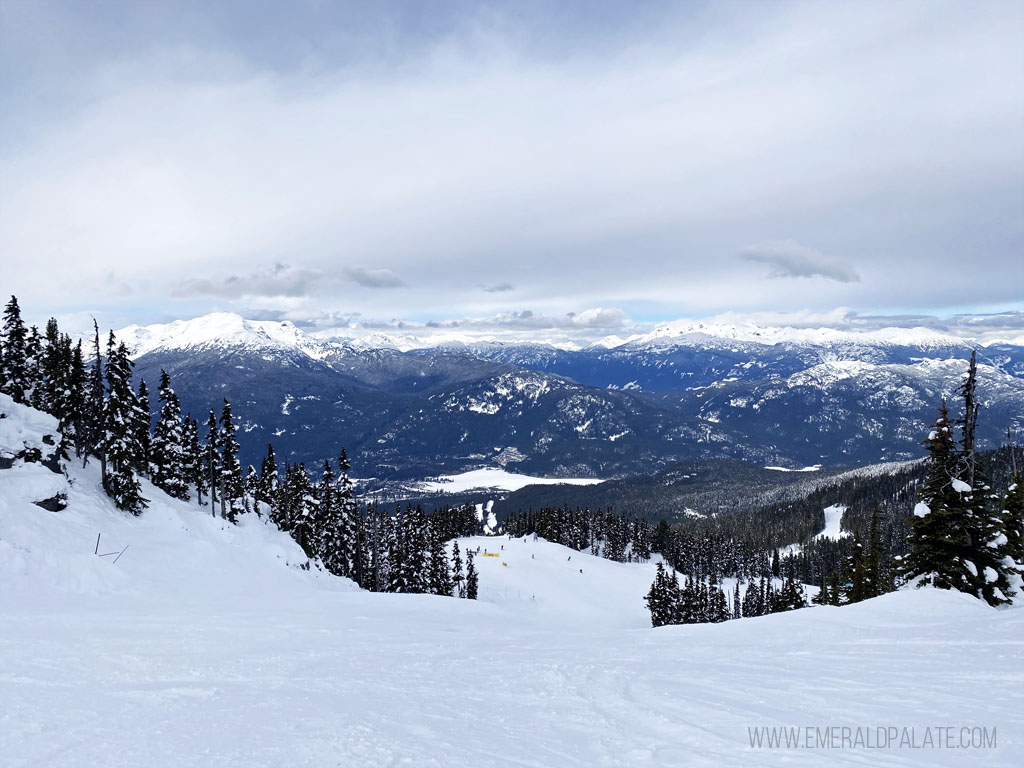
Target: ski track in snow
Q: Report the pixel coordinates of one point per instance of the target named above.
(203, 646)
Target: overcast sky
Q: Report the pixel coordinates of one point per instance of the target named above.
(593, 165)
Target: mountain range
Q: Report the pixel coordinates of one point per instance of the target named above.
(683, 392)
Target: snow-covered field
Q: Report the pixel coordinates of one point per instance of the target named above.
(204, 645)
(492, 477)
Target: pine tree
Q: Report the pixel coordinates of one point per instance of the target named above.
(657, 595)
(142, 424)
(195, 455)
(301, 508)
(169, 451)
(458, 578)
(13, 374)
(34, 369)
(855, 568)
(472, 580)
(349, 522)
(875, 576)
(211, 461)
(940, 546)
(73, 397)
(120, 446)
(91, 429)
(232, 486)
(269, 480)
(326, 536)
(1013, 519)
(440, 576)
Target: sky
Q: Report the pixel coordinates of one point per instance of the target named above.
(591, 166)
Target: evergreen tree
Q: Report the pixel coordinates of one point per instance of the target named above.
(855, 568)
(142, 421)
(13, 374)
(1013, 519)
(169, 450)
(326, 526)
(875, 576)
(195, 455)
(73, 398)
(458, 578)
(956, 537)
(440, 576)
(212, 463)
(120, 446)
(349, 522)
(34, 369)
(231, 486)
(269, 478)
(91, 429)
(940, 546)
(472, 580)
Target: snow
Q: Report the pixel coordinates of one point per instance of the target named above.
(921, 509)
(833, 518)
(23, 428)
(813, 468)
(692, 330)
(31, 482)
(206, 644)
(216, 329)
(492, 477)
(960, 486)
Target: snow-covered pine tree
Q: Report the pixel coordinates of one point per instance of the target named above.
(656, 597)
(73, 397)
(54, 369)
(440, 576)
(269, 483)
(325, 526)
(876, 577)
(1013, 519)
(458, 578)
(472, 580)
(854, 568)
(232, 485)
(940, 546)
(90, 432)
(349, 522)
(252, 490)
(13, 373)
(195, 473)
(120, 445)
(34, 369)
(169, 452)
(211, 461)
(142, 425)
(300, 507)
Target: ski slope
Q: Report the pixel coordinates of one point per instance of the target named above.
(206, 644)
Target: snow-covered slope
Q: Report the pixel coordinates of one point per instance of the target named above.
(206, 644)
(219, 330)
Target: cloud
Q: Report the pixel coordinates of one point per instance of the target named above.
(601, 162)
(597, 318)
(498, 288)
(790, 259)
(374, 278)
(278, 280)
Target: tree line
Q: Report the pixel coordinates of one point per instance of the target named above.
(89, 390)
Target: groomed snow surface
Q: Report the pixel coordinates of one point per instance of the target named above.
(205, 645)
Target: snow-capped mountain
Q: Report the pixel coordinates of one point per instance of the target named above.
(789, 397)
